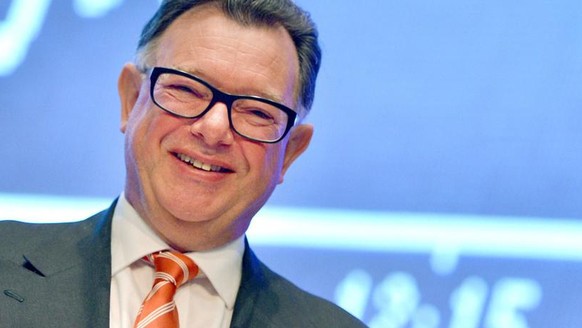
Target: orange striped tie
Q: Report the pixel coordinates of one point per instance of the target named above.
(158, 310)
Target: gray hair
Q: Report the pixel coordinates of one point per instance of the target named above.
(285, 13)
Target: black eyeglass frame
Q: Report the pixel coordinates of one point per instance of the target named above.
(219, 96)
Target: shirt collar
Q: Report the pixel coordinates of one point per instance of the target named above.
(132, 239)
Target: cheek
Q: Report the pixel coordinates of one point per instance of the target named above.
(144, 134)
(136, 129)
(271, 163)
(136, 117)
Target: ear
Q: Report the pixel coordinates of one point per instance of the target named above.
(128, 87)
(297, 144)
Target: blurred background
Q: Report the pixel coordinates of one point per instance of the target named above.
(442, 187)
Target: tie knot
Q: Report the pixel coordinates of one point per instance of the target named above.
(172, 266)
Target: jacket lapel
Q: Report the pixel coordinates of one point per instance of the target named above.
(254, 287)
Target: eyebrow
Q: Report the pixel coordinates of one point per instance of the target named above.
(200, 74)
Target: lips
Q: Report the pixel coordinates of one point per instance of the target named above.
(201, 165)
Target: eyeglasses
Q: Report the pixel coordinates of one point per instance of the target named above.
(186, 95)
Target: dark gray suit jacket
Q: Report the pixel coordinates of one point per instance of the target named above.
(58, 275)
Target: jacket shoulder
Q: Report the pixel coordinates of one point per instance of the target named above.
(20, 236)
(266, 299)
(302, 306)
(16, 236)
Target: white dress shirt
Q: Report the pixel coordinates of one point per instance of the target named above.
(206, 301)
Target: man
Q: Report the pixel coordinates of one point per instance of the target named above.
(211, 113)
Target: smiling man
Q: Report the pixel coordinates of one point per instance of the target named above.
(211, 111)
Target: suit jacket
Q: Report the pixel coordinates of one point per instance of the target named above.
(58, 275)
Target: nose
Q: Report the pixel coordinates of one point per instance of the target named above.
(213, 127)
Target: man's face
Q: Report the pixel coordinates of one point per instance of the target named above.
(192, 208)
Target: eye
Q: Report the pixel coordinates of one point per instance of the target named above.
(185, 90)
(260, 114)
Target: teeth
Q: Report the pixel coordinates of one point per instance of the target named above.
(198, 164)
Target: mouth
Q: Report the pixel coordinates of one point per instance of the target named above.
(201, 165)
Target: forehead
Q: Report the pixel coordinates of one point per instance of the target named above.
(256, 60)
